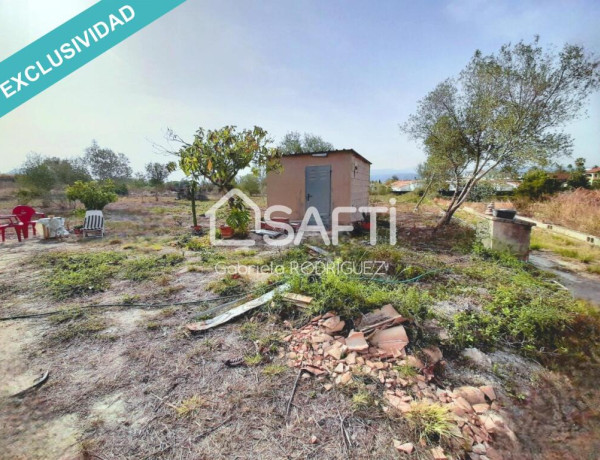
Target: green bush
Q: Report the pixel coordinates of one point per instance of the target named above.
(537, 183)
(483, 191)
(94, 195)
(121, 189)
(250, 184)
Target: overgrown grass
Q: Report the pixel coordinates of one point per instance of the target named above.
(525, 311)
(229, 285)
(73, 274)
(350, 296)
(76, 274)
(406, 371)
(85, 328)
(432, 422)
(565, 247)
(362, 399)
(579, 210)
(146, 267)
(273, 370)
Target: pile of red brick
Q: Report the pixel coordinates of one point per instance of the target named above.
(375, 348)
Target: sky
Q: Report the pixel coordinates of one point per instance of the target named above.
(349, 71)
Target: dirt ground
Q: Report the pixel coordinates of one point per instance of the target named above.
(141, 387)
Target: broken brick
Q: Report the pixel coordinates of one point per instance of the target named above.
(333, 324)
(438, 453)
(356, 341)
(392, 340)
(472, 394)
(489, 392)
(481, 408)
(406, 447)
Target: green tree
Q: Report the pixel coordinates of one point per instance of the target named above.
(219, 155)
(504, 111)
(105, 164)
(578, 178)
(94, 195)
(250, 184)
(36, 175)
(294, 142)
(536, 184)
(435, 174)
(157, 174)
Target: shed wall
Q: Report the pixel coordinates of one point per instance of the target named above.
(348, 188)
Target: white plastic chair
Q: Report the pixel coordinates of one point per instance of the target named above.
(93, 223)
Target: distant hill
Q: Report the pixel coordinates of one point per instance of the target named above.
(385, 174)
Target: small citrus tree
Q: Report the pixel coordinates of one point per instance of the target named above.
(94, 195)
(219, 155)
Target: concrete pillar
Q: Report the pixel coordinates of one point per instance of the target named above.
(511, 235)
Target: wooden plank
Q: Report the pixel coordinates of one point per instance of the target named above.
(298, 298)
(235, 312)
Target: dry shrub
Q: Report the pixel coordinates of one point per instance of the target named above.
(578, 210)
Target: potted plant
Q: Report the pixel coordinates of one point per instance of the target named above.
(226, 232)
(238, 220)
(365, 224)
(78, 229)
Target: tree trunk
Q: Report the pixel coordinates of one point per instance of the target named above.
(455, 204)
(424, 194)
(447, 217)
(194, 217)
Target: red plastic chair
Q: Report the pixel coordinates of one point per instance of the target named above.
(25, 213)
(11, 222)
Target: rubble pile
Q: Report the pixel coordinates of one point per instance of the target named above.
(375, 348)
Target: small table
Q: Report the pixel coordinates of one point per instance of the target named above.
(54, 227)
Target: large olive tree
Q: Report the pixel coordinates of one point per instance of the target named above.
(504, 111)
(294, 142)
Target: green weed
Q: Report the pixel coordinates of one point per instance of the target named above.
(406, 371)
(362, 399)
(253, 360)
(229, 285)
(147, 267)
(272, 370)
(88, 327)
(190, 406)
(75, 274)
(432, 422)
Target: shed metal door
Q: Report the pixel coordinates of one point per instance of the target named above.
(318, 191)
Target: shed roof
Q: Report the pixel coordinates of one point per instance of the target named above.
(329, 152)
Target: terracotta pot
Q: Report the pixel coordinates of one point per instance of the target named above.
(226, 232)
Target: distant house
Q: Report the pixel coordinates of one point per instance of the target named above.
(405, 186)
(324, 180)
(593, 174)
(561, 176)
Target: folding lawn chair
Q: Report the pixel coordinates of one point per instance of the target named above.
(93, 223)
